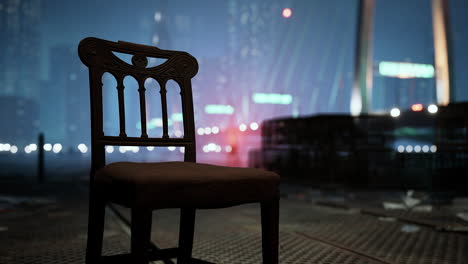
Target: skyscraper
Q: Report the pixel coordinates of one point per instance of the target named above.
(253, 29)
(160, 34)
(68, 118)
(20, 47)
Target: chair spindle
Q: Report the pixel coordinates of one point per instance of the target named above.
(141, 91)
(163, 93)
(120, 90)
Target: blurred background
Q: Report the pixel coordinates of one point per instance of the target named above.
(259, 60)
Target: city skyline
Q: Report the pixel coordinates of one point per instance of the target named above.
(243, 48)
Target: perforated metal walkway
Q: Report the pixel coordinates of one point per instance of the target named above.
(54, 231)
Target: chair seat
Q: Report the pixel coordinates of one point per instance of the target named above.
(184, 184)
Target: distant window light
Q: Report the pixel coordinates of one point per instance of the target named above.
(287, 12)
(154, 123)
(254, 126)
(200, 131)
(177, 117)
(417, 107)
(409, 148)
(417, 148)
(401, 148)
(150, 148)
(14, 149)
(178, 133)
(244, 18)
(109, 149)
(425, 148)
(242, 127)
(404, 70)
(33, 147)
(57, 148)
(155, 39)
(219, 109)
(205, 148)
(272, 98)
(48, 147)
(5, 147)
(81, 147)
(211, 147)
(157, 16)
(27, 149)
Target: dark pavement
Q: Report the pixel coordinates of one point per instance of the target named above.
(47, 224)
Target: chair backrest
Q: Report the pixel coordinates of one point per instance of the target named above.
(98, 55)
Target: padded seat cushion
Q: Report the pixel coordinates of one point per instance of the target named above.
(184, 184)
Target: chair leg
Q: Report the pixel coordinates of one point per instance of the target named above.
(187, 228)
(140, 235)
(96, 214)
(270, 226)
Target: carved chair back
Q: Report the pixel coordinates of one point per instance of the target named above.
(99, 56)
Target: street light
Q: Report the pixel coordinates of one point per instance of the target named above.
(287, 12)
(432, 109)
(395, 112)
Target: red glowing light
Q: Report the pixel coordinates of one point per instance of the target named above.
(287, 12)
(417, 107)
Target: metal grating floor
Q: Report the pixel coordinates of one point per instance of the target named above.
(56, 233)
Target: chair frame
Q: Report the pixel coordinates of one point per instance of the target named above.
(97, 55)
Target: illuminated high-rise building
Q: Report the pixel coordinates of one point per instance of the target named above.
(425, 41)
(287, 48)
(20, 47)
(254, 38)
(20, 120)
(402, 84)
(71, 114)
(160, 34)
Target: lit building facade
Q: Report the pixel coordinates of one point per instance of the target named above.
(70, 120)
(21, 120)
(370, 93)
(160, 34)
(20, 47)
(412, 84)
(254, 62)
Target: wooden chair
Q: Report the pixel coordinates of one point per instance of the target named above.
(144, 187)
